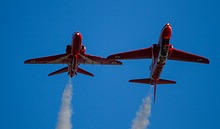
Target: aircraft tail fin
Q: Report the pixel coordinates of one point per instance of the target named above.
(148, 81)
(82, 71)
(65, 69)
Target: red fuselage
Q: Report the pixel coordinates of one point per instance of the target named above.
(160, 53)
(75, 50)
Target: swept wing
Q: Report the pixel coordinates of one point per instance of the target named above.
(185, 56)
(66, 58)
(136, 54)
(56, 59)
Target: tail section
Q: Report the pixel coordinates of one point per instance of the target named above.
(152, 82)
(65, 69)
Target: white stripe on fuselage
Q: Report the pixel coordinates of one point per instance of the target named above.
(159, 62)
(162, 57)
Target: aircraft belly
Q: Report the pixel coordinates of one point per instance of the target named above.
(160, 62)
(76, 45)
(157, 71)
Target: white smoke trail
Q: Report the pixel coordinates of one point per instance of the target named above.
(141, 121)
(64, 119)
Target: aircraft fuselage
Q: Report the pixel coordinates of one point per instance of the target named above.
(160, 53)
(75, 50)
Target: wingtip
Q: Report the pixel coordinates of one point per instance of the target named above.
(30, 61)
(26, 61)
(133, 80)
(205, 61)
(51, 74)
(208, 61)
(91, 75)
(119, 62)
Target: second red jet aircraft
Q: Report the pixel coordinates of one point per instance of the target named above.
(159, 53)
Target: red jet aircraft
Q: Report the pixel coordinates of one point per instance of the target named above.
(159, 53)
(75, 55)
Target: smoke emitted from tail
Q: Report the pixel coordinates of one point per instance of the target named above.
(64, 118)
(141, 121)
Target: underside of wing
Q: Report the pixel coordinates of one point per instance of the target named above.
(185, 56)
(136, 54)
(89, 59)
(56, 59)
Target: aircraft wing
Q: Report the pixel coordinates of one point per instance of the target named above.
(56, 59)
(136, 54)
(185, 56)
(89, 59)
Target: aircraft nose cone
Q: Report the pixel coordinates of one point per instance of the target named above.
(77, 35)
(168, 24)
(167, 31)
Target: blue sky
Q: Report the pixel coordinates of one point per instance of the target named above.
(31, 99)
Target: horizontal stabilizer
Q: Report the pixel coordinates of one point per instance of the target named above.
(79, 70)
(163, 81)
(143, 81)
(148, 81)
(59, 71)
